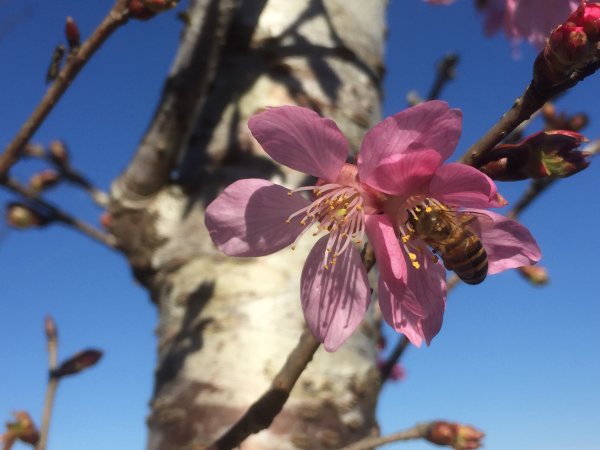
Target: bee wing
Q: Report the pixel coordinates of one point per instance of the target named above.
(469, 219)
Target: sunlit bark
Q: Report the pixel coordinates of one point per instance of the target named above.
(226, 325)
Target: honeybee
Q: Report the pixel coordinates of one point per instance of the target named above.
(450, 234)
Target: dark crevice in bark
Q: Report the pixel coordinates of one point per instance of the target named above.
(174, 350)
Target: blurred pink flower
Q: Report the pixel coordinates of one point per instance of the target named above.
(532, 20)
(399, 166)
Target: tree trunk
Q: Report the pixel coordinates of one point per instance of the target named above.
(227, 324)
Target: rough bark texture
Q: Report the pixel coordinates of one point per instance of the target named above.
(227, 324)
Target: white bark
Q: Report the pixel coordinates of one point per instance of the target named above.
(227, 324)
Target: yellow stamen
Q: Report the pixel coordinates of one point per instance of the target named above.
(416, 265)
(412, 257)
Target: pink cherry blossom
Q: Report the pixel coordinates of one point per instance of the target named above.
(532, 20)
(400, 165)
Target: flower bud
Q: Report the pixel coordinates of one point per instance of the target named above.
(78, 362)
(22, 429)
(22, 216)
(587, 16)
(536, 275)
(72, 34)
(545, 154)
(568, 46)
(44, 180)
(571, 46)
(455, 435)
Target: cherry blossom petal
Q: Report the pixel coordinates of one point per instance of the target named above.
(301, 139)
(397, 315)
(249, 218)
(334, 300)
(404, 173)
(507, 243)
(461, 185)
(388, 253)
(426, 287)
(428, 125)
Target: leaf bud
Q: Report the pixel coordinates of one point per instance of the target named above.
(22, 429)
(50, 328)
(550, 153)
(44, 180)
(22, 216)
(158, 6)
(72, 34)
(59, 153)
(78, 362)
(55, 63)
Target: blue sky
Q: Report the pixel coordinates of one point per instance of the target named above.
(517, 361)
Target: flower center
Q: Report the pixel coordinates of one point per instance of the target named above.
(424, 224)
(337, 209)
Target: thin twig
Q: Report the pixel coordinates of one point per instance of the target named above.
(262, 412)
(182, 98)
(117, 16)
(419, 431)
(446, 71)
(59, 215)
(534, 97)
(52, 341)
(394, 357)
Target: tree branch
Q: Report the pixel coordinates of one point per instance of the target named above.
(262, 412)
(445, 72)
(59, 215)
(533, 99)
(116, 17)
(52, 344)
(419, 431)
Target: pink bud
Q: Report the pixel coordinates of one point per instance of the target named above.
(587, 16)
(72, 33)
